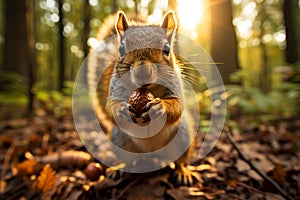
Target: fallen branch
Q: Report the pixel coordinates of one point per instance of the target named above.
(253, 167)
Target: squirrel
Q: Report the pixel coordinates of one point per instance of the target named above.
(142, 57)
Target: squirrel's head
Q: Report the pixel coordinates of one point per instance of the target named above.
(145, 49)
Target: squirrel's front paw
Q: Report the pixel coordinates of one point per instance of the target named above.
(126, 112)
(154, 109)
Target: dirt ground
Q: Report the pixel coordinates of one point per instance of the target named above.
(42, 157)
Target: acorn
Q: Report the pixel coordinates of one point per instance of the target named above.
(93, 171)
(139, 98)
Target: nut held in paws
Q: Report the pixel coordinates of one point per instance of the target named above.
(139, 98)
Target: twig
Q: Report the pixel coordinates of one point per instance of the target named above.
(6, 161)
(264, 176)
(248, 187)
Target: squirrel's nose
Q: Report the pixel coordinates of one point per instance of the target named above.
(143, 72)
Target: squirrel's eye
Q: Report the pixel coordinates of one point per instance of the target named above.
(122, 50)
(166, 49)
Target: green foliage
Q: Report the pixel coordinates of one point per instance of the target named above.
(12, 88)
(12, 98)
(54, 102)
(249, 100)
(287, 98)
(68, 88)
(281, 102)
(12, 82)
(45, 96)
(296, 74)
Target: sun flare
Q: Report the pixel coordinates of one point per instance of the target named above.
(190, 13)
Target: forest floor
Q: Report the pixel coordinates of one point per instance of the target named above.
(42, 157)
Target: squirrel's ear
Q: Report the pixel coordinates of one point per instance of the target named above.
(169, 23)
(121, 23)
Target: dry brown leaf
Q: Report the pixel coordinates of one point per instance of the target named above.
(233, 184)
(271, 196)
(242, 166)
(278, 174)
(26, 167)
(75, 194)
(46, 179)
(186, 192)
(2, 185)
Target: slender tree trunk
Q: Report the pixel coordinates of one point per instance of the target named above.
(264, 81)
(86, 28)
(31, 53)
(61, 78)
(264, 78)
(15, 45)
(136, 6)
(114, 6)
(290, 7)
(223, 40)
(86, 32)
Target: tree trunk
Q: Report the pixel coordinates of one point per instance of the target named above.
(264, 81)
(86, 28)
(114, 6)
(223, 39)
(61, 46)
(31, 53)
(15, 45)
(86, 33)
(290, 7)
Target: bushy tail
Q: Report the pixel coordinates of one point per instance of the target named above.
(100, 68)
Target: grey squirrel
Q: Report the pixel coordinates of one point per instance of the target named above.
(142, 58)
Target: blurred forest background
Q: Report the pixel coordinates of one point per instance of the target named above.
(257, 43)
(256, 47)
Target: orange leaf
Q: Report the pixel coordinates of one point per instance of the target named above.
(26, 167)
(278, 174)
(46, 179)
(233, 184)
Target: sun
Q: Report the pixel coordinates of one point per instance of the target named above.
(190, 13)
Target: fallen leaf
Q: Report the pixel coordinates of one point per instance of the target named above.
(233, 184)
(193, 193)
(46, 179)
(2, 185)
(271, 196)
(242, 166)
(185, 192)
(278, 174)
(75, 194)
(26, 167)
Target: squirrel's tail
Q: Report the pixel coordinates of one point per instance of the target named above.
(99, 68)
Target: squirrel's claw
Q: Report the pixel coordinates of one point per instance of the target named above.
(156, 111)
(153, 109)
(114, 172)
(126, 112)
(151, 104)
(183, 176)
